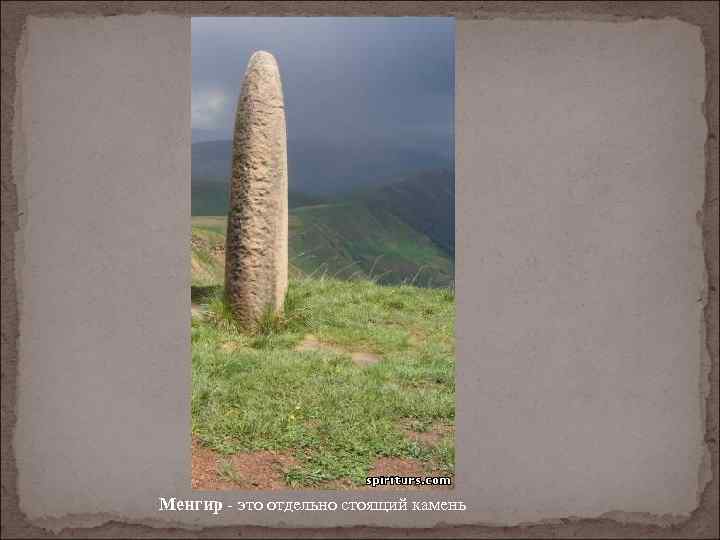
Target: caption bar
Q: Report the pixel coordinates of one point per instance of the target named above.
(215, 507)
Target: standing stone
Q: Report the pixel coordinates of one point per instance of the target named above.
(256, 254)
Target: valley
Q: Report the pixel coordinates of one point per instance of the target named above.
(390, 230)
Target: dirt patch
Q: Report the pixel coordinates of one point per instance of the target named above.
(416, 338)
(312, 343)
(196, 310)
(340, 484)
(265, 469)
(365, 358)
(262, 470)
(386, 467)
(431, 437)
(205, 475)
(230, 346)
(407, 468)
(401, 467)
(397, 467)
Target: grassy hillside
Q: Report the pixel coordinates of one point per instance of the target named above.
(425, 201)
(345, 241)
(331, 420)
(373, 395)
(210, 197)
(359, 240)
(392, 228)
(207, 253)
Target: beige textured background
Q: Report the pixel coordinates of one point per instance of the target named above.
(589, 248)
(580, 170)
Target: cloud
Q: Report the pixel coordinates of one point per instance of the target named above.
(350, 79)
(209, 108)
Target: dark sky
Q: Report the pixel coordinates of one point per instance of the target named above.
(344, 79)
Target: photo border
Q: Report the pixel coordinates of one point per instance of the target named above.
(704, 520)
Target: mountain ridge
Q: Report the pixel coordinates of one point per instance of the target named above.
(396, 228)
(315, 169)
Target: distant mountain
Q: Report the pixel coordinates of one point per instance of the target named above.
(344, 241)
(394, 224)
(351, 239)
(211, 197)
(425, 201)
(332, 167)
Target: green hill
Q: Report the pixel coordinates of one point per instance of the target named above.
(208, 255)
(344, 241)
(347, 240)
(210, 197)
(425, 201)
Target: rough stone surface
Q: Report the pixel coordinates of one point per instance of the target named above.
(256, 264)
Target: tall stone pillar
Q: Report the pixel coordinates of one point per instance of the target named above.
(256, 255)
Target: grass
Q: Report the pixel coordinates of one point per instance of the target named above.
(254, 392)
(207, 248)
(227, 472)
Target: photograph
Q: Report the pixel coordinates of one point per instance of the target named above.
(323, 253)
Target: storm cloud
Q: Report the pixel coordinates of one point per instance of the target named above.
(345, 80)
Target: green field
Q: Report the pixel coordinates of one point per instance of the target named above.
(334, 416)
